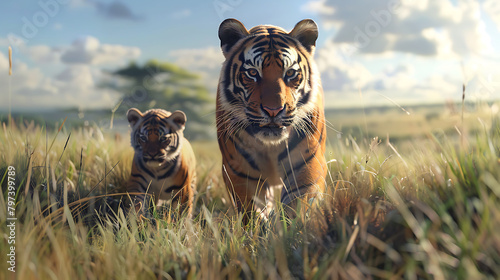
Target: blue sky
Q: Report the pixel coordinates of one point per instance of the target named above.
(369, 51)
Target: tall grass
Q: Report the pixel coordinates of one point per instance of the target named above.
(421, 209)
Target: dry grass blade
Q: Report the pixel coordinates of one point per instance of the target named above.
(106, 174)
(113, 111)
(10, 87)
(64, 149)
(10, 61)
(431, 213)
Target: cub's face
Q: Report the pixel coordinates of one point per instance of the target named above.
(267, 86)
(156, 135)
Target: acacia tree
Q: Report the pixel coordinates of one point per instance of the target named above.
(167, 86)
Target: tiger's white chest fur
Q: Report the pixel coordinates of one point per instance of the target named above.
(267, 158)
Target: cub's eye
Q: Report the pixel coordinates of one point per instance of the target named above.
(291, 73)
(252, 73)
(143, 138)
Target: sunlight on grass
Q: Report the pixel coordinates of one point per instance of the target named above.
(426, 208)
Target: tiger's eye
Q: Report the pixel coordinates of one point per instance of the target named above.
(252, 72)
(290, 73)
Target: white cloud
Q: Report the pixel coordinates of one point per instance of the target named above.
(347, 82)
(85, 50)
(41, 53)
(426, 27)
(207, 58)
(337, 72)
(75, 86)
(400, 49)
(181, 14)
(319, 7)
(206, 61)
(482, 79)
(398, 79)
(76, 81)
(88, 50)
(492, 8)
(22, 83)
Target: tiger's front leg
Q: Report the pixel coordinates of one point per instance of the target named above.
(140, 201)
(250, 194)
(183, 198)
(240, 189)
(306, 183)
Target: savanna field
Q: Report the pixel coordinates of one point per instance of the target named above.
(412, 194)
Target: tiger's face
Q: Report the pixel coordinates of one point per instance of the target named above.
(156, 135)
(268, 78)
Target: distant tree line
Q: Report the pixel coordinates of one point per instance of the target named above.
(167, 86)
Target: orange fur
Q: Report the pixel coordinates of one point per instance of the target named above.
(163, 168)
(270, 115)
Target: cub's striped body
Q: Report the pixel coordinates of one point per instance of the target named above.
(270, 115)
(164, 164)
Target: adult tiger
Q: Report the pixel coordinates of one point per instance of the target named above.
(164, 164)
(270, 115)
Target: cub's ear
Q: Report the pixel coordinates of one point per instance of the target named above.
(179, 118)
(306, 32)
(230, 32)
(133, 116)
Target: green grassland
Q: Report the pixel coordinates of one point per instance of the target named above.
(413, 196)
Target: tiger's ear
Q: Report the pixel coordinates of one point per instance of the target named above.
(230, 32)
(133, 116)
(179, 118)
(306, 32)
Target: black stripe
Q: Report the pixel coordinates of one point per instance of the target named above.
(291, 192)
(258, 51)
(226, 154)
(252, 110)
(239, 174)
(230, 99)
(292, 144)
(246, 156)
(140, 176)
(141, 189)
(304, 99)
(143, 168)
(297, 168)
(249, 129)
(309, 81)
(147, 119)
(173, 188)
(227, 72)
(283, 45)
(261, 44)
(287, 40)
(170, 171)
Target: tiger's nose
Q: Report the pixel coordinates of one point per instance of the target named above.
(273, 112)
(152, 155)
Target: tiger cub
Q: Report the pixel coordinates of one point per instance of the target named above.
(163, 167)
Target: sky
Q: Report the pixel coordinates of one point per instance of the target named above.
(369, 52)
